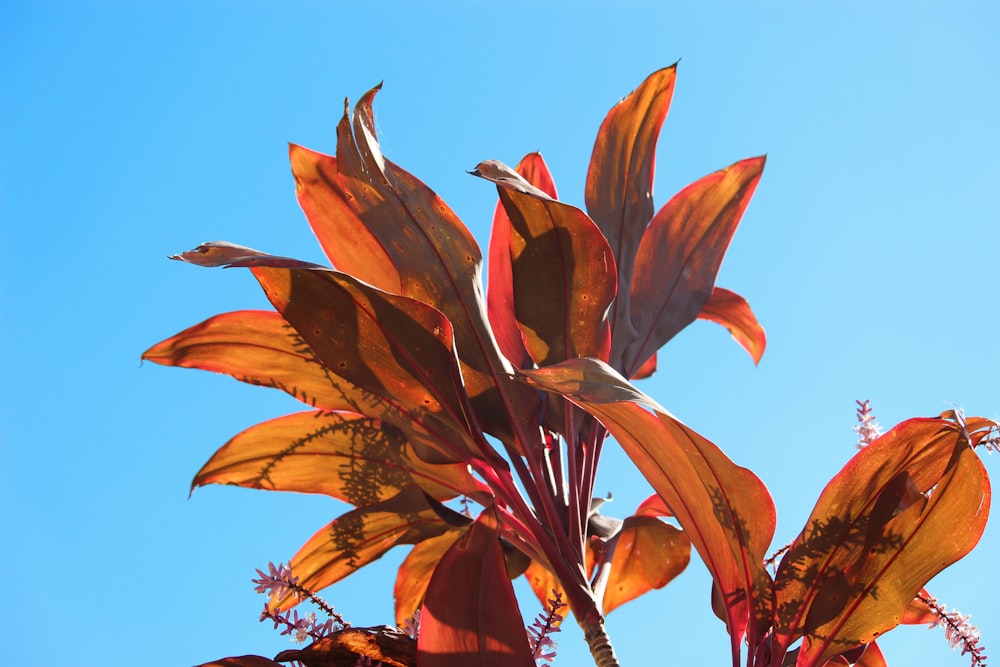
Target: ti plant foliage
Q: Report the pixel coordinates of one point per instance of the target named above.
(423, 387)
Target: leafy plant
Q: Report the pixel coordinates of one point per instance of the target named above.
(424, 388)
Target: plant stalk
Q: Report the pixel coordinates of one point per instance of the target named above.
(600, 644)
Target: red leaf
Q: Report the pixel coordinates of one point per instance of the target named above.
(365, 534)
(563, 273)
(724, 509)
(500, 286)
(679, 257)
(619, 191)
(470, 616)
(653, 506)
(904, 508)
(415, 573)
(733, 312)
(356, 459)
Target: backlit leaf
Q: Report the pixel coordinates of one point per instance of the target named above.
(724, 509)
(648, 555)
(619, 191)
(653, 506)
(337, 217)
(394, 353)
(904, 508)
(733, 312)
(679, 257)
(500, 286)
(363, 535)
(563, 272)
(348, 456)
(433, 257)
(415, 573)
(260, 348)
(470, 616)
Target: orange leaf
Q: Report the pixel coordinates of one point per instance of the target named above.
(724, 509)
(918, 612)
(410, 243)
(619, 190)
(470, 615)
(260, 348)
(904, 508)
(679, 257)
(363, 535)
(733, 312)
(354, 458)
(415, 573)
(648, 555)
(337, 217)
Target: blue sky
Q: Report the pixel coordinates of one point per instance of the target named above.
(130, 131)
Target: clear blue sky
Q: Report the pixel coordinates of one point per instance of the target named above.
(130, 131)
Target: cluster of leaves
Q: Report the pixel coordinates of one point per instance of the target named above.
(424, 387)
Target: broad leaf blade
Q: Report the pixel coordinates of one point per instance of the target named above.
(435, 256)
(724, 509)
(619, 191)
(415, 573)
(260, 348)
(470, 615)
(357, 459)
(679, 257)
(396, 348)
(365, 534)
(403, 372)
(733, 312)
(904, 508)
(337, 217)
(648, 555)
(500, 286)
(563, 273)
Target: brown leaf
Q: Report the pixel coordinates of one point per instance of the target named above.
(383, 644)
(242, 661)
